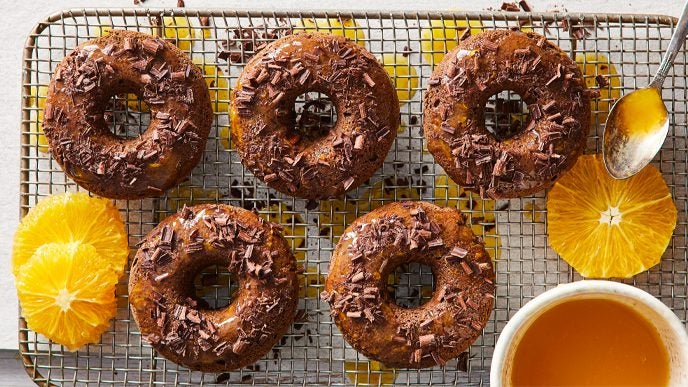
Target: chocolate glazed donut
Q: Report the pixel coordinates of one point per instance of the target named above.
(303, 165)
(400, 233)
(547, 80)
(166, 80)
(162, 297)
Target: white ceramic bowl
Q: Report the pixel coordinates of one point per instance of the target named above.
(671, 330)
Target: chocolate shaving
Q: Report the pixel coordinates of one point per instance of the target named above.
(525, 6)
(161, 277)
(151, 46)
(602, 81)
(465, 34)
(510, 7)
(129, 44)
(556, 76)
(554, 117)
(368, 80)
(466, 267)
(357, 277)
(535, 111)
(426, 340)
(458, 252)
(436, 243)
(548, 105)
(349, 182)
(359, 143)
(239, 347)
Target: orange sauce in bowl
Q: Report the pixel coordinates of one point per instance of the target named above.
(590, 342)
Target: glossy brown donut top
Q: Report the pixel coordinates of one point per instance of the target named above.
(164, 78)
(162, 296)
(548, 81)
(398, 233)
(263, 125)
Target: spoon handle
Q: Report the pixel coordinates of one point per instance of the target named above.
(675, 44)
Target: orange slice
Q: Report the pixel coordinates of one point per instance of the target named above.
(605, 227)
(73, 217)
(67, 293)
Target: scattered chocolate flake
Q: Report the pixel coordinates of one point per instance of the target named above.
(129, 44)
(448, 128)
(569, 121)
(510, 7)
(458, 252)
(462, 362)
(357, 277)
(548, 105)
(426, 340)
(349, 182)
(161, 277)
(466, 267)
(556, 75)
(312, 205)
(359, 143)
(240, 346)
(554, 117)
(602, 81)
(368, 80)
(406, 51)
(151, 46)
(241, 43)
(436, 243)
(222, 378)
(465, 34)
(525, 6)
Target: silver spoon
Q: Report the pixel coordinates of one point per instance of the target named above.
(638, 122)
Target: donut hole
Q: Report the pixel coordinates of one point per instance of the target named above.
(313, 115)
(411, 285)
(506, 115)
(215, 287)
(126, 115)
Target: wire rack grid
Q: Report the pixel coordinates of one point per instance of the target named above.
(626, 49)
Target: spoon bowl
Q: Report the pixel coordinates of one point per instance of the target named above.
(636, 128)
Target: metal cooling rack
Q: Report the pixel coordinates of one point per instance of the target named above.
(313, 352)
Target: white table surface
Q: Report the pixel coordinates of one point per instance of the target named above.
(18, 18)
